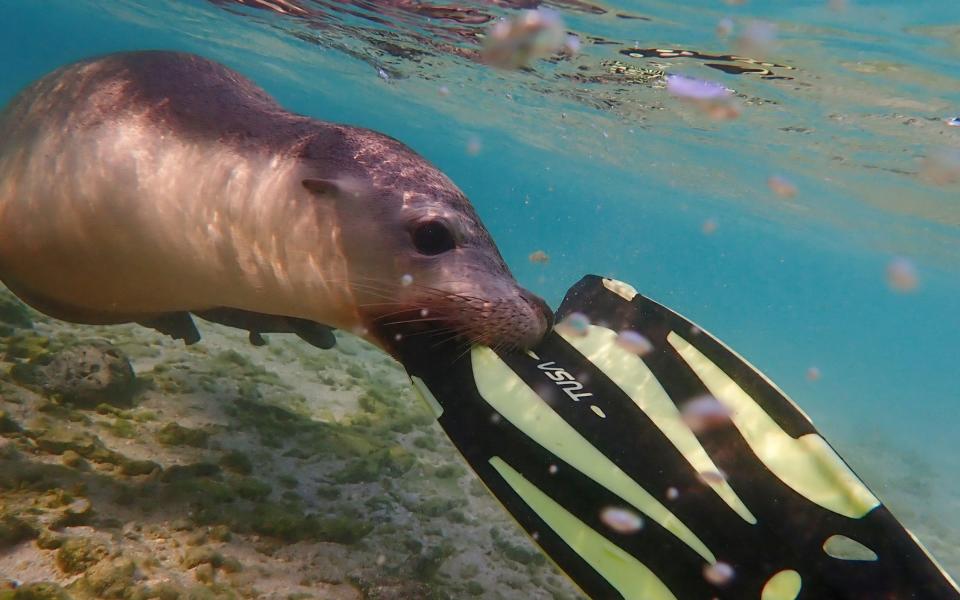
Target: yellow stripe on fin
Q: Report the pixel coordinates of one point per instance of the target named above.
(630, 577)
(808, 465)
(624, 290)
(632, 375)
(785, 585)
(516, 402)
(427, 396)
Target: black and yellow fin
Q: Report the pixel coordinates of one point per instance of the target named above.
(759, 507)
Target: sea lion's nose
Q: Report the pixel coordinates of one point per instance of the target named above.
(543, 312)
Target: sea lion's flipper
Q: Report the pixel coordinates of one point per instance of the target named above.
(178, 325)
(649, 460)
(314, 333)
(257, 324)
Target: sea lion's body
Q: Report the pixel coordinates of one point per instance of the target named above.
(145, 186)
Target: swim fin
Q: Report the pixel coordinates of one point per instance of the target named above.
(588, 445)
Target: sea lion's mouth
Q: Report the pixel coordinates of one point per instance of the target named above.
(451, 325)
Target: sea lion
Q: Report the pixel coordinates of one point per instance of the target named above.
(146, 186)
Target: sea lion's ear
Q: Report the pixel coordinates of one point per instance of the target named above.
(323, 187)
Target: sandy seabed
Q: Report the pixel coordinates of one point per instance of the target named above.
(232, 471)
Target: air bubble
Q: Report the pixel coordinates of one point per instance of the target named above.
(718, 573)
(539, 257)
(941, 168)
(724, 27)
(576, 324)
(703, 413)
(902, 275)
(621, 520)
(782, 186)
(712, 477)
(634, 342)
(682, 86)
(758, 39)
(713, 99)
(474, 146)
(528, 36)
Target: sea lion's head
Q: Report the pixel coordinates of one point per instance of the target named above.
(422, 265)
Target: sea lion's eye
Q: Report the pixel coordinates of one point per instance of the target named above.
(432, 238)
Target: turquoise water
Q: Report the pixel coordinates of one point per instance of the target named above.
(613, 176)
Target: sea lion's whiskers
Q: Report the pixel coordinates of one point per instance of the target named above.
(419, 320)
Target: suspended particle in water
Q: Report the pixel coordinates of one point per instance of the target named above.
(694, 330)
(713, 99)
(712, 477)
(902, 275)
(703, 413)
(495, 418)
(709, 226)
(781, 186)
(682, 86)
(575, 324)
(634, 342)
(758, 39)
(443, 91)
(528, 36)
(621, 520)
(424, 312)
(398, 336)
(360, 331)
(539, 257)
(941, 168)
(535, 535)
(571, 47)
(381, 560)
(552, 469)
(547, 392)
(718, 573)
(474, 145)
(672, 493)
(813, 374)
(723, 111)
(383, 74)
(724, 27)
(406, 280)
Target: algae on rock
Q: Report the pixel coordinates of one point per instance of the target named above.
(77, 554)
